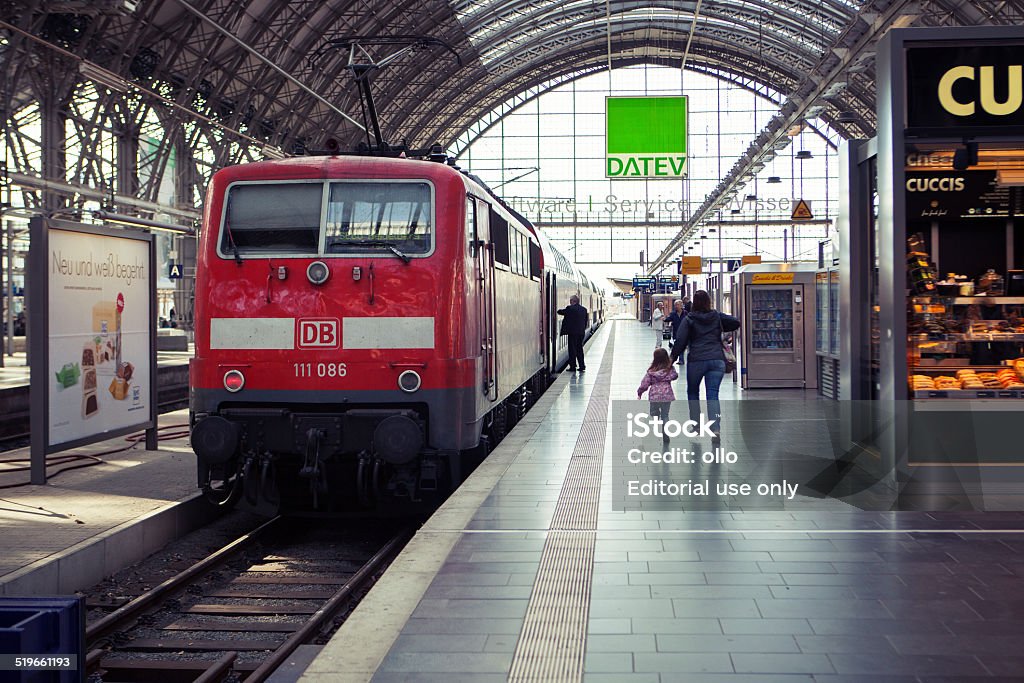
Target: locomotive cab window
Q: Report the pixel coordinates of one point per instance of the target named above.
(272, 218)
(368, 217)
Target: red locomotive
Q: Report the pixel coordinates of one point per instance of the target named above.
(366, 328)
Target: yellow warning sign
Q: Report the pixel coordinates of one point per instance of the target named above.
(802, 211)
(772, 279)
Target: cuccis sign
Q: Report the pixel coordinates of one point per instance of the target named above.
(972, 87)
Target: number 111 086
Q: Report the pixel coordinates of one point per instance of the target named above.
(320, 369)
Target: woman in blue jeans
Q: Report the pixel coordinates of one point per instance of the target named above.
(701, 330)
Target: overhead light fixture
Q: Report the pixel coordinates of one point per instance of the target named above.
(703, 237)
(966, 156)
(711, 230)
(107, 79)
(804, 154)
(734, 211)
(846, 117)
(751, 197)
(273, 153)
(772, 180)
(904, 20)
(834, 89)
(137, 222)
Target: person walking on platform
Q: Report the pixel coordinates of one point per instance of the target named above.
(676, 316)
(658, 323)
(702, 332)
(574, 326)
(658, 379)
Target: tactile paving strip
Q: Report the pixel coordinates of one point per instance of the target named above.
(552, 643)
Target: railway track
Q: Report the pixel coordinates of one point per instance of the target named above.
(241, 611)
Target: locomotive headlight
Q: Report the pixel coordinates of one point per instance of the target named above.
(409, 381)
(234, 380)
(318, 272)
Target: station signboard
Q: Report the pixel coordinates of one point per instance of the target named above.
(644, 283)
(94, 345)
(645, 137)
(690, 265)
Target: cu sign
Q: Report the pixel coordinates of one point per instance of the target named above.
(318, 333)
(965, 86)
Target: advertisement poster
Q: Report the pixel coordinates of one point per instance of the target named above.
(99, 334)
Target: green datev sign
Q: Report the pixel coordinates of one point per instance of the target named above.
(646, 137)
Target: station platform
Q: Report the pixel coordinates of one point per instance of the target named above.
(87, 523)
(528, 573)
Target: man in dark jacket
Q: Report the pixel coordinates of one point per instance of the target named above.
(574, 326)
(676, 316)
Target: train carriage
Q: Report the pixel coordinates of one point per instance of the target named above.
(366, 328)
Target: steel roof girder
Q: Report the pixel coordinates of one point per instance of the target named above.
(792, 111)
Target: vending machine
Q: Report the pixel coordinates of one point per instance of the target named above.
(776, 342)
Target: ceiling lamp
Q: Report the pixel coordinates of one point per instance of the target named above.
(751, 197)
(711, 230)
(734, 211)
(846, 117)
(804, 154)
(772, 180)
(101, 76)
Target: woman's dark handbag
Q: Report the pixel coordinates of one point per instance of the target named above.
(730, 357)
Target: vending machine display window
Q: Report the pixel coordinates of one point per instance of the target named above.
(771, 315)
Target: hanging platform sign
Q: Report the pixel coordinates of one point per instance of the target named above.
(750, 258)
(690, 265)
(802, 210)
(967, 87)
(645, 137)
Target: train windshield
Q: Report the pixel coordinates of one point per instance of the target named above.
(366, 217)
(363, 217)
(273, 218)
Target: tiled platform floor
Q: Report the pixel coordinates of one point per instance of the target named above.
(40, 523)
(829, 595)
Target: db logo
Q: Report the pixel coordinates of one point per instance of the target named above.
(318, 333)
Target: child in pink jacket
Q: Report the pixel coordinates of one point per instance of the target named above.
(659, 380)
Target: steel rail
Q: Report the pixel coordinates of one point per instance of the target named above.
(322, 615)
(131, 609)
(219, 669)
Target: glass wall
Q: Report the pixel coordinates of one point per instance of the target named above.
(546, 159)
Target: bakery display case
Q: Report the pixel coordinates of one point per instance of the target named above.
(966, 347)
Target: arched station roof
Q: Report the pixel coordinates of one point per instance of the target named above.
(245, 73)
